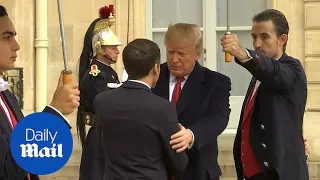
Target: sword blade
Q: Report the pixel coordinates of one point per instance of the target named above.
(228, 28)
(64, 48)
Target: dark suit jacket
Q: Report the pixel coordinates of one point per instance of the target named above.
(136, 129)
(92, 160)
(9, 170)
(276, 121)
(203, 107)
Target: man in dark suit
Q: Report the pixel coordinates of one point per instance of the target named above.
(65, 101)
(269, 144)
(136, 124)
(201, 97)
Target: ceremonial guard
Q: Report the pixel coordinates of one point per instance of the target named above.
(100, 50)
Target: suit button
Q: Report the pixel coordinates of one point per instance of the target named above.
(266, 164)
(264, 145)
(262, 127)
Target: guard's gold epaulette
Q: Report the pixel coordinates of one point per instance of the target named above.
(94, 70)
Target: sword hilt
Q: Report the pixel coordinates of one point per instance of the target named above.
(67, 77)
(228, 56)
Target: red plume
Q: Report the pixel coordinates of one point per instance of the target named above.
(105, 11)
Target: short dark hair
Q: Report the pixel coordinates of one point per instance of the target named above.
(3, 11)
(139, 57)
(278, 19)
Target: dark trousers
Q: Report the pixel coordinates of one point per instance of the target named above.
(92, 160)
(271, 175)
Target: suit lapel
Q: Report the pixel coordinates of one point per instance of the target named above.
(251, 85)
(162, 88)
(13, 104)
(193, 85)
(5, 123)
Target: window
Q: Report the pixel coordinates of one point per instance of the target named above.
(165, 12)
(210, 15)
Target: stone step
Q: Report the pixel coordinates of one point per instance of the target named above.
(69, 171)
(225, 157)
(225, 141)
(75, 157)
(228, 171)
(314, 170)
(58, 178)
(76, 142)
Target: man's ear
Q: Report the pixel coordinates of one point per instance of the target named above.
(156, 69)
(283, 39)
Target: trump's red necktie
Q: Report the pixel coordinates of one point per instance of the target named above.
(177, 90)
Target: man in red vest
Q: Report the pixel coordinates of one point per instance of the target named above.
(269, 144)
(65, 101)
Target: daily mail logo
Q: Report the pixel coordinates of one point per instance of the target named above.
(32, 150)
(41, 143)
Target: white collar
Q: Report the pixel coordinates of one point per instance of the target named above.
(173, 78)
(141, 82)
(4, 85)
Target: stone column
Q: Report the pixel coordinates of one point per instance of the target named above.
(312, 67)
(41, 45)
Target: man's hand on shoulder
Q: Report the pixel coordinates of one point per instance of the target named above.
(181, 140)
(66, 97)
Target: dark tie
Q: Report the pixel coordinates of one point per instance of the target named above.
(177, 90)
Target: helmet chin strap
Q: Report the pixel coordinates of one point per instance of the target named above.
(109, 58)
